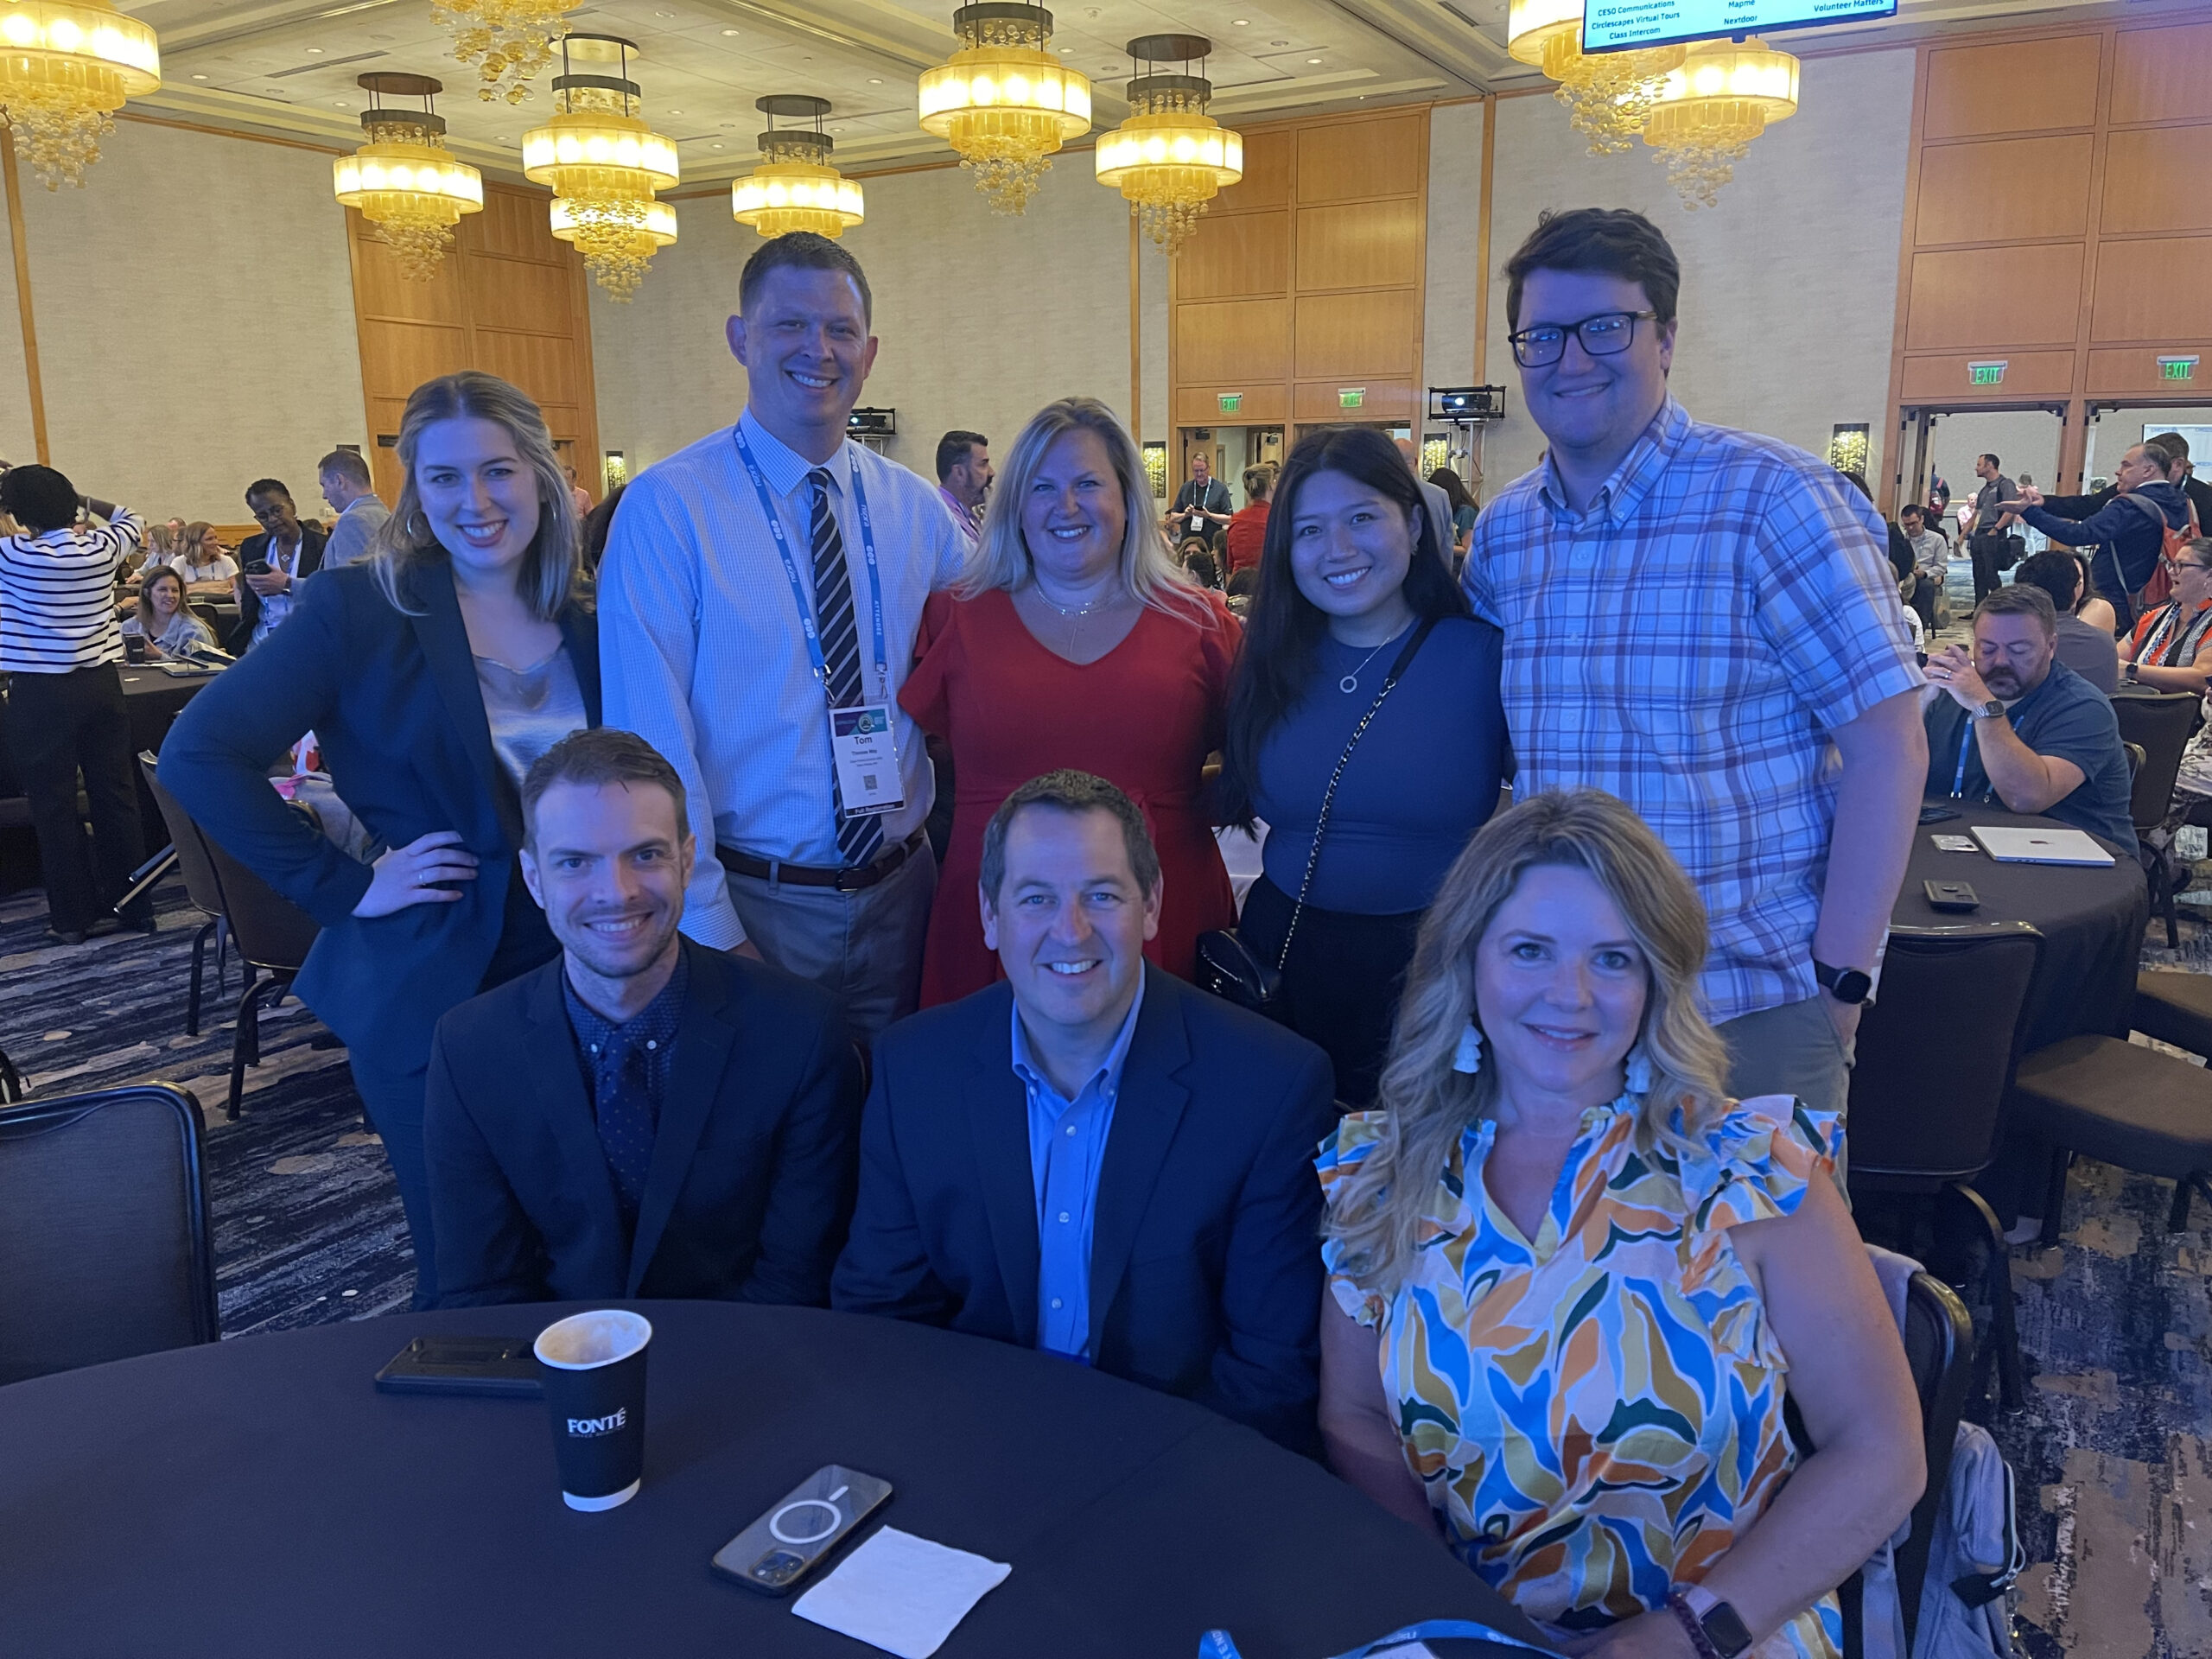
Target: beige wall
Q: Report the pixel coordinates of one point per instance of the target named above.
(195, 322)
(982, 319)
(1455, 191)
(1789, 286)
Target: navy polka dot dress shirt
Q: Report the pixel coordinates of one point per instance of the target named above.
(626, 1072)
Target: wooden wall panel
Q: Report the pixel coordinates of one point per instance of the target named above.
(1361, 245)
(1967, 298)
(2134, 370)
(2162, 74)
(1358, 161)
(380, 291)
(1318, 403)
(542, 365)
(405, 354)
(519, 292)
(2141, 164)
(2012, 87)
(2013, 188)
(2027, 374)
(1232, 341)
(513, 224)
(2157, 289)
(1235, 255)
(1354, 334)
(1266, 182)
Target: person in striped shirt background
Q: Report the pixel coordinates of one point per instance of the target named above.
(60, 647)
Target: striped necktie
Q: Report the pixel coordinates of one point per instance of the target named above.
(859, 839)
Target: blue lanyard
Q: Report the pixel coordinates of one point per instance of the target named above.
(1959, 780)
(790, 567)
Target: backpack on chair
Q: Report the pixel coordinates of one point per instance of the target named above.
(1973, 1558)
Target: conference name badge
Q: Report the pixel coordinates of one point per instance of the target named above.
(868, 759)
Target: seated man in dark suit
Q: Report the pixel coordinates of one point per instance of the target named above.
(643, 1117)
(1093, 1158)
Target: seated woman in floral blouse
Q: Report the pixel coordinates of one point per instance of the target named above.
(1569, 1277)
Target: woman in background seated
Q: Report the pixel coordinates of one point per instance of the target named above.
(432, 672)
(163, 618)
(1074, 641)
(1568, 1275)
(2171, 648)
(1354, 587)
(208, 571)
(161, 549)
(1463, 510)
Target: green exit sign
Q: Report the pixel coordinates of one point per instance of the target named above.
(1351, 397)
(1231, 402)
(2177, 368)
(1987, 374)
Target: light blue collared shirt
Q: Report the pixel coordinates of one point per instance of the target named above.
(1067, 1147)
(701, 651)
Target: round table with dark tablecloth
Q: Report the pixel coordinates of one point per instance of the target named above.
(260, 1498)
(153, 700)
(2091, 919)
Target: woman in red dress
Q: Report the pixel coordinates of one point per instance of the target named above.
(1074, 641)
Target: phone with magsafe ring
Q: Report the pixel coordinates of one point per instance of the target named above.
(801, 1529)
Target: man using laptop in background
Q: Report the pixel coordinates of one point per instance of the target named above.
(2009, 725)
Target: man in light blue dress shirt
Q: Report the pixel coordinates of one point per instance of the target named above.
(1093, 1158)
(705, 647)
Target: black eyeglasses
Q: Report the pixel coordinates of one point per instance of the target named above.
(1604, 335)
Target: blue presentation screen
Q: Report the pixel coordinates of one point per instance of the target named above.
(1613, 25)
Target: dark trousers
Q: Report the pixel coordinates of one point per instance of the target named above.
(1924, 601)
(1985, 549)
(394, 1100)
(61, 725)
(1341, 983)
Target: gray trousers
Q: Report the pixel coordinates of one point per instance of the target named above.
(865, 947)
(1791, 1049)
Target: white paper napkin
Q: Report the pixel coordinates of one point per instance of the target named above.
(901, 1593)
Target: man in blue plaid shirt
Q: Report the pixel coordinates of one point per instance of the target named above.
(1704, 623)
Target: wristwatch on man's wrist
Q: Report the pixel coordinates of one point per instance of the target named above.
(1714, 1628)
(1992, 709)
(1851, 986)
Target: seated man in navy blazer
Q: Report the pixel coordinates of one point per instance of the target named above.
(1094, 1158)
(643, 1117)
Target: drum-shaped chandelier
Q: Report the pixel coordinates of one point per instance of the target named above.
(404, 180)
(1711, 107)
(1608, 94)
(795, 187)
(64, 69)
(1170, 157)
(1002, 102)
(604, 164)
(510, 41)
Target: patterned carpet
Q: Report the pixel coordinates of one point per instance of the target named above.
(2113, 1454)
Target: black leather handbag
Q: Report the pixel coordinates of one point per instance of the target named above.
(1229, 968)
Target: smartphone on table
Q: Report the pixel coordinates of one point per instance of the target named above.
(801, 1529)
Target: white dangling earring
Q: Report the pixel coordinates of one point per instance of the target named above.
(1468, 1056)
(1640, 1076)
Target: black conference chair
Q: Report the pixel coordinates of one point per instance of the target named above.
(2121, 1104)
(2159, 724)
(1946, 1033)
(2175, 1008)
(104, 1229)
(200, 887)
(272, 934)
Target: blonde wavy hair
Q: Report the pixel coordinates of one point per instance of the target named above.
(1001, 557)
(552, 566)
(1376, 1210)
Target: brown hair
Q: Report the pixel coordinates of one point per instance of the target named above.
(1616, 241)
(2021, 599)
(594, 758)
(1068, 791)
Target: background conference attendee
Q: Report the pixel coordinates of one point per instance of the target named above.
(1093, 1158)
(1437, 504)
(1247, 531)
(209, 572)
(2170, 649)
(2128, 531)
(1354, 574)
(964, 477)
(1073, 641)
(643, 1116)
(1932, 558)
(2083, 645)
(433, 673)
(1201, 503)
(343, 478)
(2010, 724)
(60, 646)
(291, 551)
(1991, 521)
(163, 617)
(722, 559)
(1555, 1134)
(1701, 621)
(1462, 503)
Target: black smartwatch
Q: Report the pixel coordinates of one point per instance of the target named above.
(1718, 1632)
(1991, 710)
(1847, 985)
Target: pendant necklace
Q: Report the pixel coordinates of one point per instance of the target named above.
(1349, 683)
(1073, 615)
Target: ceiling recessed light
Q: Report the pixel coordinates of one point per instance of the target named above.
(836, 129)
(730, 34)
(342, 104)
(199, 77)
(1238, 22)
(1309, 60)
(1278, 42)
(679, 111)
(664, 14)
(875, 80)
(716, 146)
(315, 51)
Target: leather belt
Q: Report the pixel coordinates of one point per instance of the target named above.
(814, 875)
